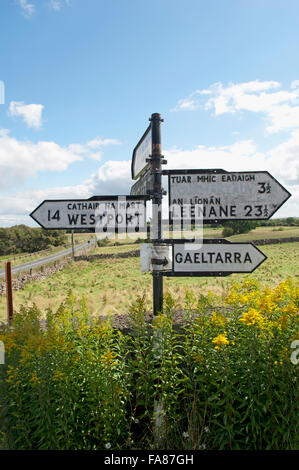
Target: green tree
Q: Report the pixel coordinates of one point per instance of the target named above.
(24, 239)
(238, 226)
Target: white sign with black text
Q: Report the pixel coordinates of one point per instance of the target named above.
(220, 195)
(217, 258)
(103, 213)
(141, 152)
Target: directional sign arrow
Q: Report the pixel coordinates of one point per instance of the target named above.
(100, 213)
(216, 257)
(155, 257)
(162, 262)
(214, 195)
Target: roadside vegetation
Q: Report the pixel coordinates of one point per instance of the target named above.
(224, 382)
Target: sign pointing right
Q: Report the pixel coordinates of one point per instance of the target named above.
(221, 195)
(215, 257)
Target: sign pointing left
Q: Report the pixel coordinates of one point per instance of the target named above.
(101, 213)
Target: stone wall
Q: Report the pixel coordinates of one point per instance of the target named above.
(19, 282)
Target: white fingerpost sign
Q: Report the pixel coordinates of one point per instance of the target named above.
(141, 153)
(217, 257)
(220, 195)
(106, 213)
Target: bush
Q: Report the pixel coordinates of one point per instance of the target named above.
(224, 381)
(140, 240)
(23, 239)
(241, 226)
(103, 242)
(227, 232)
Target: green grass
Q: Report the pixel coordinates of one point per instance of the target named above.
(267, 232)
(256, 234)
(111, 285)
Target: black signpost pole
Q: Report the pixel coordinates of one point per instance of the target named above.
(156, 161)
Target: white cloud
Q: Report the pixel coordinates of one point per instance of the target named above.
(56, 5)
(114, 177)
(27, 8)
(284, 160)
(239, 156)
(187, 104)
(111, 178)
(31, 113)
(15, 208)
(20, 160)
(279, 106)
(99, 142)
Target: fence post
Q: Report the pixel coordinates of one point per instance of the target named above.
(73, 245)
(9, 301)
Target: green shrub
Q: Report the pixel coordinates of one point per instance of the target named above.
(103, 242)
(227, 232)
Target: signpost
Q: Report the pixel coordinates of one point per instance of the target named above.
(209, 195)
(215, 195)
(156, 162)
(99, 213)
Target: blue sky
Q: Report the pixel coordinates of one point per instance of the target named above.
(82, 77)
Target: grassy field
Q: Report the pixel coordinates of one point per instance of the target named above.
(209, 232)
(110, 286)
(256, 234)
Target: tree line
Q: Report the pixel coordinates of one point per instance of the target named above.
(24, 239)
(244, 226)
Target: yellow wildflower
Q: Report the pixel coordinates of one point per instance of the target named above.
(220, 340)
(108, 358)
(218, 319)
(252, 317)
